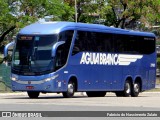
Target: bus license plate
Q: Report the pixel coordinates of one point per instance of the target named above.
(29, 87)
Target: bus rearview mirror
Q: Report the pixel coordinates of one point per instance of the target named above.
(8, 53)
(55, 46)
(8, 48)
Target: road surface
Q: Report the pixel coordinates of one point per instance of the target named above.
(147, 101)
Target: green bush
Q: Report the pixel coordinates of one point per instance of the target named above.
(158, 62)
(1, 60)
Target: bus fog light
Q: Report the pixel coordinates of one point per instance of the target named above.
(47, 79)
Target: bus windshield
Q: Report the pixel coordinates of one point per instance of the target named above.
(32, 54)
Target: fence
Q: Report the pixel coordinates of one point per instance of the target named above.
(5, 82)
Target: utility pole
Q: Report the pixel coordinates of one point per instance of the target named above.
(76, 11)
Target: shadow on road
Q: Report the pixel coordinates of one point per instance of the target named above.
(75, 97)
(45, 97)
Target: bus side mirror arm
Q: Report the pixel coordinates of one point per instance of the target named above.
(6, 56)
(55, 46)
(7, 47)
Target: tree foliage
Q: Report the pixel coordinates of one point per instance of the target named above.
(7, 21)
(122, 13)
(118, 13)
(15, 14)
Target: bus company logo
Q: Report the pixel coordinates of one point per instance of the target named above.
(108, 59)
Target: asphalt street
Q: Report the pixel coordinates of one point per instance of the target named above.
(147, 101)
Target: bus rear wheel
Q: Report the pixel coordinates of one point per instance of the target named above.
(70, 90)
(96, 94)
(33, 94)
(135, 89)
(127, 90)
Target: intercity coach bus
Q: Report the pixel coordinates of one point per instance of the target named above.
(68, 57)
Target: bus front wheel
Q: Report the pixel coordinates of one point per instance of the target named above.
(70, 90)
(33, 94)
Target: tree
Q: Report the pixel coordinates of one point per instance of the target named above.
(15, 14)
(152, 12)
(129, 13)
(121, 13)
(87, 10)
(28, 12)
(7, 21)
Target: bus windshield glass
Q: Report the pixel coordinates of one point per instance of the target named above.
(32, 54)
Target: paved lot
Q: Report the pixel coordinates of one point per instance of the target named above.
(158, 86)
(54, 102)
(147, 101)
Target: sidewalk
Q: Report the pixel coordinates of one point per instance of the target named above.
(157, 86)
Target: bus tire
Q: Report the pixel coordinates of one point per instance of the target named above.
(135, 89)
(70, 90)
(33, 94)
(127, 89)
(96, 94)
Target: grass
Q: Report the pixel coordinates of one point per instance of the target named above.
(154, 90)
(1, 59)
(158, 81)
(3, 88)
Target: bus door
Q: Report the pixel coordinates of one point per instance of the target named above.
(61, 57)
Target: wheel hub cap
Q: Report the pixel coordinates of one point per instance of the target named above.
(70, 88)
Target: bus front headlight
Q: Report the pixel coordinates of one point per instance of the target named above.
(14, 77)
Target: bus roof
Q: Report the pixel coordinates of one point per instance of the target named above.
(56, 27)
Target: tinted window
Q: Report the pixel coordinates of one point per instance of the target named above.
(146, 45)
(93, 41)
(118, 43)
(134, 44)
(63, 50)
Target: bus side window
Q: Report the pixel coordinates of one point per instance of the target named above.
(78, 44)
(60, 57)
(76, 47)
(119, 44)
(63, 50)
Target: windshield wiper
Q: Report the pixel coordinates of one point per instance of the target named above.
(34, 54)
(30, 66)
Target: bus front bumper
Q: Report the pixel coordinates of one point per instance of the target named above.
(42, 85)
